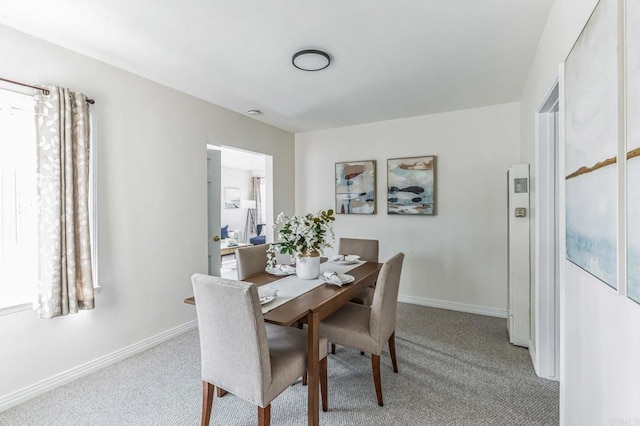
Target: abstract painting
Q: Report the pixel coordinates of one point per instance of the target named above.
(591, 145)
(633, 150)
(411, 185)
(356, 187)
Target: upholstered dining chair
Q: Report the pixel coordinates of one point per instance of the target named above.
(368, 328)
(251, 260)
(367, 250)
(241, 354)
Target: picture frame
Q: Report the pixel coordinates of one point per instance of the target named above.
(591, 147)
(355, 187)
(411, 186)
(231, 198)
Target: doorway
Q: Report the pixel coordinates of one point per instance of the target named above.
(244, 204)
(546, 297)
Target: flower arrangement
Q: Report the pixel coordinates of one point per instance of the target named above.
(301, 235)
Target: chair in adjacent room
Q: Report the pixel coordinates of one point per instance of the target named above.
(242, 355)
(258, 239)
(368, 328)
(251, 260)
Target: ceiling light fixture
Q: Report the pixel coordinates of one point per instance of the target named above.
(310, 60)
(254, 112)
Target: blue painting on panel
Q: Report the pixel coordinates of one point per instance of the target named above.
(633, 153)
(591, 146)
(356, 187)
(411, 185)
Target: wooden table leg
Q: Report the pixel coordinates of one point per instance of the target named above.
(313, 349)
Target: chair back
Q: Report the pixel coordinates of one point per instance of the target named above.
(385, 300)
(233, 339)
(251, 260)
(366, 249)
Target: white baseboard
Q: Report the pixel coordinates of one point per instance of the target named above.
(453, 306)
(31, 391)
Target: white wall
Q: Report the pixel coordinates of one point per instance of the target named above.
(458, 257)
(241, 179)
(152, 195)
(600, 344)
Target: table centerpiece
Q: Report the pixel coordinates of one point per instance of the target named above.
(303, 237)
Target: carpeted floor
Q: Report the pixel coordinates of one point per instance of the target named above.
(455, 369)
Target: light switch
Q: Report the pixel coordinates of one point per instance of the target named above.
(521, 212)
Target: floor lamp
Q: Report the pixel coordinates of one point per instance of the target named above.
(250, 224)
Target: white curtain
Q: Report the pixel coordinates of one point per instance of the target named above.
(62, 125)
(257, 195)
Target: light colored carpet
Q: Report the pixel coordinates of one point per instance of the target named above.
(228, 267)
(455, 369)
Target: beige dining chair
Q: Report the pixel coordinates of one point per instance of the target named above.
(242, 355)
(368, 328)
(368, 251)
(251, 261)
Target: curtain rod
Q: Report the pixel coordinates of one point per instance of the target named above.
(45, 91)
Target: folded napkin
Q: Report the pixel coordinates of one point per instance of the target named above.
(333, 277)
(266, 291)
(345, 258)
(287, 268)
(282, 270)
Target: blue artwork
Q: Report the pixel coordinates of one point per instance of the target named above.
(633, 150)
(411, 185)
(591, 137)
(356, 187)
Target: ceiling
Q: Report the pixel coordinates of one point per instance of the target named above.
(390, 59)
(244, 160)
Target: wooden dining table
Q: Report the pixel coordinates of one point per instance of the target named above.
(310, 308)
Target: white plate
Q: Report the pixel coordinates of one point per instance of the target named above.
(278, 271)
(348, 259)
(346, 279)
(267, 299)
(345, 262)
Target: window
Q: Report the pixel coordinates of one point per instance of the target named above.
(18, 203)
(18, 215)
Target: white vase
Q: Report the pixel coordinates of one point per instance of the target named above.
(308, 267)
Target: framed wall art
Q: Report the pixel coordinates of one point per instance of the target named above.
(231, 198)
(411, 185)
(591, 146)
(356, 187)
(633, 150)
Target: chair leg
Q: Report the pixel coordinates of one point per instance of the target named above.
(221, 392)
(333, 348)
(264, 415)
(323, 384)
(375, 363)
(207, 402)
(392, 351)
(304, 379)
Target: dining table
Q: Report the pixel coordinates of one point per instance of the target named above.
(311, 307)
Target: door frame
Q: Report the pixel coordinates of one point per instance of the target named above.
(545, 350)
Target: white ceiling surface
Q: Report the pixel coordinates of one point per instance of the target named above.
(236, 159)
(390, 59)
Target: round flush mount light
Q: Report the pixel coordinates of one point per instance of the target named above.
(254, 112)
(310, 60)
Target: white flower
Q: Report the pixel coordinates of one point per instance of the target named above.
(301, 234)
